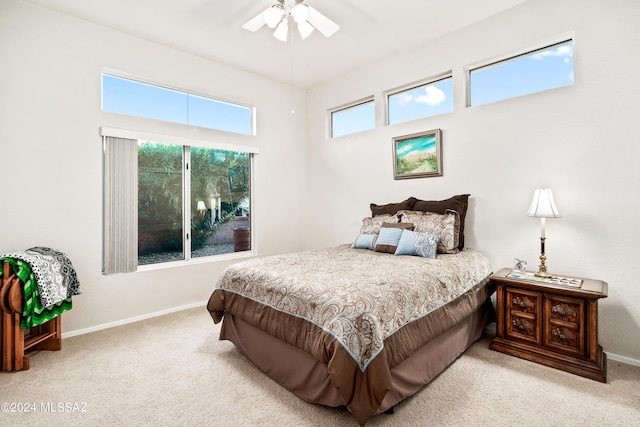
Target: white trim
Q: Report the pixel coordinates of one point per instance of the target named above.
(198, 260)
(178, 140)
(623, 359)
(132, 319)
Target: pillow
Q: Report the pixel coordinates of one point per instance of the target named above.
(446, 227)
(390, 236)
(392, 208)
(420, 244)
(372, 225)
(457, 203)
(365, 241)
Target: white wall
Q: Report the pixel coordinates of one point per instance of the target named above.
(51, 170)
(581, 141)
(578, 140)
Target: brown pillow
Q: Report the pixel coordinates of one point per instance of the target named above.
(392, 208)
(457, 203)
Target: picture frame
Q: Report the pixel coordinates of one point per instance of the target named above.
(418, 155)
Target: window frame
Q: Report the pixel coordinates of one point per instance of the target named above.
(189, 142)
(188, 93)
(415, 85)
(345, 107)
(531, 49)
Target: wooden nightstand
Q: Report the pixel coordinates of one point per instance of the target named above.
(552, 324)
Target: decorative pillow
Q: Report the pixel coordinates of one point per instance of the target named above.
(390, 236)
(372, 225)
(457, 203)
(365, 241)
(392, 208)
(420, 244)
(444, 226)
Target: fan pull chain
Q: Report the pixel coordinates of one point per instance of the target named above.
(293, 111)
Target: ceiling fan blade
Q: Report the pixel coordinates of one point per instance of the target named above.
(322, 23)
(256, 23)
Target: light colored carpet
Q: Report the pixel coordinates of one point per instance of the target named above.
(173, 370)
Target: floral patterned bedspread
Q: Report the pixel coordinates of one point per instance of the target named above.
(359, 296)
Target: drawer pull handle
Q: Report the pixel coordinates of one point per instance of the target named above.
(563, 335)
(522, 325)
(563, 310)
(523, 303)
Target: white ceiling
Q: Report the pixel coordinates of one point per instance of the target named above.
(369, 30)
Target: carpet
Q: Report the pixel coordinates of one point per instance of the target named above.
(172, 370)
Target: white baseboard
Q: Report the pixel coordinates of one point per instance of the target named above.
(132, 319)
(623, 359)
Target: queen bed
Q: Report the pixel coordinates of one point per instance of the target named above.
(367, 324)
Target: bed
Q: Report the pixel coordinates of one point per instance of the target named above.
(366, 324)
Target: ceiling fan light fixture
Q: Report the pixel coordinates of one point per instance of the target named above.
(281, 31)
(304, 28)
(273, 15)
(300, 13)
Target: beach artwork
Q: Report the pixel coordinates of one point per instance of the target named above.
(417, 155)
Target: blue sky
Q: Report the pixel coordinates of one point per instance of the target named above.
(546, 69)
(144, 100)
(541, 70)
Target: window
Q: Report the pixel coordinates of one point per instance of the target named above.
(535, 71)
(355, 118)
(120, 95)
(167, 202)
(435, 97)
(219, 189)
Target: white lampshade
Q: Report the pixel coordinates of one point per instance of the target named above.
(273, 15)
(305, 29)
(281, 31)
(542, 205)
(300, 13)
(201, 205)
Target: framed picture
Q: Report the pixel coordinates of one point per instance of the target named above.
(417, 155)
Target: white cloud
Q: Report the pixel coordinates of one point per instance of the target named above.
(432, 97)
(565, 50)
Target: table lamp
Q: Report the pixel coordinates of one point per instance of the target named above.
(543, 206)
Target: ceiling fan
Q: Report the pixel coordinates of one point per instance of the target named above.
(306, 18)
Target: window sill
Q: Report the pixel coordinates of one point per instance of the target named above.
(200, 260)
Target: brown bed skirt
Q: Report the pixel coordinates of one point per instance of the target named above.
(307, 378)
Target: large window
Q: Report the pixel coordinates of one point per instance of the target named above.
(546, 68)
(217, 210)
(354, 118)
(169, 202)
(429, 99)
(126, 96)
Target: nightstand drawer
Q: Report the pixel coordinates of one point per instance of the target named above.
(524, 315)
(564, 330)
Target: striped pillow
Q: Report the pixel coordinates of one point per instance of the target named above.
(390, 236)
(365, 241)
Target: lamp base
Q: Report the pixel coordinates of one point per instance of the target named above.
(542, 268)
(542, 274)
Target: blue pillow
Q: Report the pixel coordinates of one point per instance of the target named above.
(388, 239)
(420, 244)
(365, 241)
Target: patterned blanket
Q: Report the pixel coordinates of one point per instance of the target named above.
(55, 276)
(33, 313)
(360, 297)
